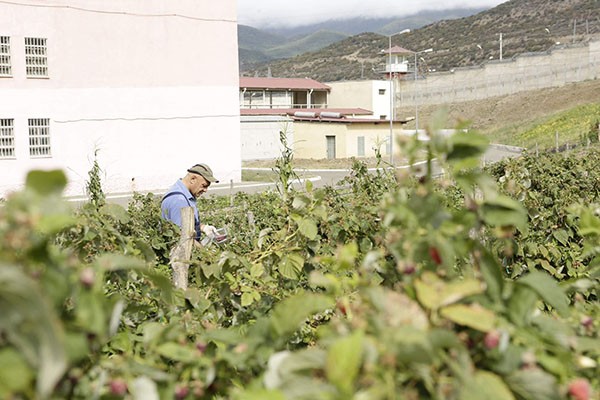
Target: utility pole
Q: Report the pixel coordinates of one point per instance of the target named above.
(501, 46)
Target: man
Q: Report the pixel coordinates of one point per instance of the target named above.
(184, 194)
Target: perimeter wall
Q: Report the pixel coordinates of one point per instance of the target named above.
(558, 66)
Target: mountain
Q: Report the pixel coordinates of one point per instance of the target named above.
(523, 25)
(311, 42)
(258, 46)
(354, 26)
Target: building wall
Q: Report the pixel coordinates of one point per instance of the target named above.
(261, 139)
(557, 67)
(310, 138)
(362, 94)
(129, 81)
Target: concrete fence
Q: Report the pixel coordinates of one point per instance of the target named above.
(553, 68)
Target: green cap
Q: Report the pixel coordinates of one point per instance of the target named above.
(204, 171)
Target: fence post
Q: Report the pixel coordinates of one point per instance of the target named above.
(251, 222)
(182, 252)
(556, 140)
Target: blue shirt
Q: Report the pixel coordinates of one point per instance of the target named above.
(177, 197)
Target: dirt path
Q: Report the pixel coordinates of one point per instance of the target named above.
(493, 113)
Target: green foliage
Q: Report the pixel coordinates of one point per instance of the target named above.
(575, 127)
(391, 287)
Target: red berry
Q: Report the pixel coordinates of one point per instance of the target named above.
(118, 387)
(435, 255)
(579, 389)
(181, 392)
(491, 340)
(201, 346)
(87, 277)
(587, 321)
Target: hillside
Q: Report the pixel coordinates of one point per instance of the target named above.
(526, 26)
(259, 46)
(503, 118)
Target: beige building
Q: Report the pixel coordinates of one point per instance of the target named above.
(320, 138)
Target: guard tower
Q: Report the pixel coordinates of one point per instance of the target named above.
(396, 62)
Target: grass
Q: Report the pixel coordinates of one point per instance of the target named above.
(570, 127)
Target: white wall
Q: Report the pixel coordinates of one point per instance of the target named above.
(260, 136)
(154, 94)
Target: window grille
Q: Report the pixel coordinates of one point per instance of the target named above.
(7, 138)
(39, 137)
(36, 58)
(5, 69)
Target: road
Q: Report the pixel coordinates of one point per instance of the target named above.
(319, 178)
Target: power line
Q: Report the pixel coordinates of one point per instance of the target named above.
(117, 12)
(146, 118)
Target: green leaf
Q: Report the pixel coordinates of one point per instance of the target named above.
(503, 211)
(46, 182)
(115, 262)
(533, 384)
(485, 385)
(247, 299)
(344, 360)
(90, 314)
(522, 304)
(466, 149)
(491, 270)
(15, 374)
(473, 316)
(260, 394)
(548, 289)
(176, 352)
(115, 211)
(29, 322)
(308, 228)
(291, 265)
(562, 236)
(433, 293)
(291, 312)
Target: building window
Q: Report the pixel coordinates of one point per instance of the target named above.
(361, 146)
(39, 137)
(5, 69)
(381, 91)
(254, 98)
(7, 138)
(36, 58)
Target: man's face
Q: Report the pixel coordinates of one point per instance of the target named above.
(198, 185)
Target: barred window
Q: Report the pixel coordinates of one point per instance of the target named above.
(39, 137)
(36, 58)
(7, 138)
(5, 69)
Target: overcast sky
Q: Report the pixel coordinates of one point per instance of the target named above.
(263, 13)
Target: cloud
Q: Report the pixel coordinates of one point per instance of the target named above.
(264, 13)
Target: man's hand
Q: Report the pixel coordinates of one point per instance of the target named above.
(208, 230)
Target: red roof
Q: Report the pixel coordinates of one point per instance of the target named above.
(397, 50)
(281, 83)
(292, 111)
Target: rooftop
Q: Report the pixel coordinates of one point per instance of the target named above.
(282, 83)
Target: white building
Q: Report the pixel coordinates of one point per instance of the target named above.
(144, 84)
